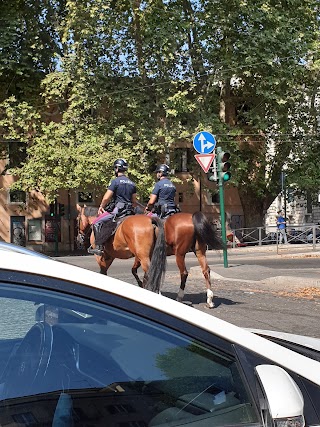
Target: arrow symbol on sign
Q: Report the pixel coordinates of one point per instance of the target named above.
(204, 144)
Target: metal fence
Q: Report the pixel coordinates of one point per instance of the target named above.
(308, 234)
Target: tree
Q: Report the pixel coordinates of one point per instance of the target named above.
(132, 77)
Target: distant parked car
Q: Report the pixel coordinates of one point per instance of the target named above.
(297, 236)
(310, 236)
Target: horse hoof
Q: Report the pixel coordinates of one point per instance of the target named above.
(180, 295)
(189, 303)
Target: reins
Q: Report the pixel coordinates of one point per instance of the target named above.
(87, 230)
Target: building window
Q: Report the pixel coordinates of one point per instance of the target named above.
(180, 197)
(309, 203)
(85, 197)
(213, 198)
(18, 231)
(34, 230)
(182, 159)
(17, 196)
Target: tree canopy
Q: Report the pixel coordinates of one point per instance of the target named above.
(85, 82)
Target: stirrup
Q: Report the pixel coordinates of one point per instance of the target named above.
(96, 250)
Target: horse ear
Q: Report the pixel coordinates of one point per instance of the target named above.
(78, 208)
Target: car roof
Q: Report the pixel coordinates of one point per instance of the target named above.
(302, 365)
(4, 246)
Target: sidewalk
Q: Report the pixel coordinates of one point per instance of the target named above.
(263, 266)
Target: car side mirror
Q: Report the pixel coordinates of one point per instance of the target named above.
(280, 399)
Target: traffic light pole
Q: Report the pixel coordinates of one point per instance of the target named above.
(56, 231)
(222, 211)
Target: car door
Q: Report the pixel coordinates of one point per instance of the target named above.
(76, 355)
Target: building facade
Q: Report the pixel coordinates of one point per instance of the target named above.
(28, 220)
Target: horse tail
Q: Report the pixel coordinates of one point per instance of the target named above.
(158, 262)
(205, 231)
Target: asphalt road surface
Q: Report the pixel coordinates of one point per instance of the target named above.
(244, 304)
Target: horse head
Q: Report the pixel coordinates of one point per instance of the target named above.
(83, 223)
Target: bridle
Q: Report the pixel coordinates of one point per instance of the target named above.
(85, 232)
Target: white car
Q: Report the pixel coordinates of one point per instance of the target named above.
(81, 349)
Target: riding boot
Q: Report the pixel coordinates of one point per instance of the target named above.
(98, 249)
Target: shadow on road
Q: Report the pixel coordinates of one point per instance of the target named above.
(200, 298)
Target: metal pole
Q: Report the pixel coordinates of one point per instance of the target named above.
(285, 197)
(56, 231)
(222, 212)
(69, 220)
(200, 192)
(283, 192)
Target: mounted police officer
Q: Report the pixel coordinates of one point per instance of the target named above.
(118, 201)
(161, 200)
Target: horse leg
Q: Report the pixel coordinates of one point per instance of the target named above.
(145, 264)
(180, 261)
(200, 251)
(134, 270)
(104, 263)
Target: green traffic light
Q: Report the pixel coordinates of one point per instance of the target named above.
(226, 176)
(224, 166)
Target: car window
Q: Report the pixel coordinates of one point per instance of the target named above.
(67, 358)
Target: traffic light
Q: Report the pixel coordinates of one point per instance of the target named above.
(52, 209)
(212, 176)
(61, 209)
(223, 166)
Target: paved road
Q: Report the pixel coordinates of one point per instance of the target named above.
(246, 303)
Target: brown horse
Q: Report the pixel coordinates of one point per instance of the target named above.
(191, 232)
(185, 232)
(137, 236)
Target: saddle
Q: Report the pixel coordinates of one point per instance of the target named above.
(164, 212)
(108, 229)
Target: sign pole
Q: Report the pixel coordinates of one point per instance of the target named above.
(200, 192)
(222, 212)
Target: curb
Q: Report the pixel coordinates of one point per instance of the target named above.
(275, 281)
(292, 252)
(293, 281)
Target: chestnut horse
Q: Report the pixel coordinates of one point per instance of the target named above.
(191, 232)
(137, 236)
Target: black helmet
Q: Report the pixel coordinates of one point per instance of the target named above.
(164, 169)
(121, 164)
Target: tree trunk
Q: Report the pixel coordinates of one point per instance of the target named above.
(227, 108)
(253, 208)
(138, 39)
(194, 46)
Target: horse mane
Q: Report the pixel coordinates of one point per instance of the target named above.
(90, 211)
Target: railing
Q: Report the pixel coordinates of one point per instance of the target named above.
(296, 234)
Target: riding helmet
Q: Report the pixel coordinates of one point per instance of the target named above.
(164, 169)
(121, 165)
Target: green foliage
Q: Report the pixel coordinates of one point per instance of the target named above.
(127, 79)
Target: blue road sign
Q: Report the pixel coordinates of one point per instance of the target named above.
(204, 142)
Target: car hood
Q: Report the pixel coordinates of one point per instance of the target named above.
(302, 344)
